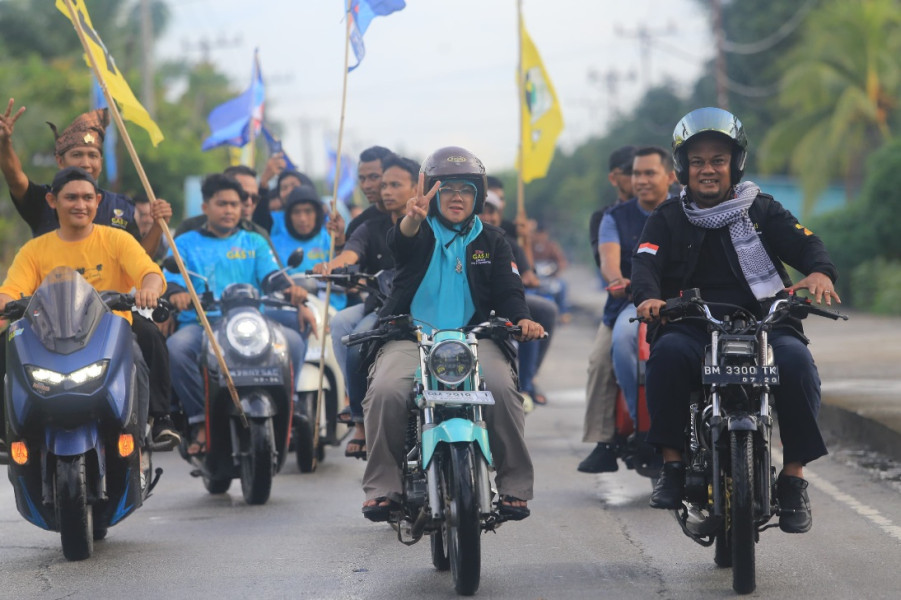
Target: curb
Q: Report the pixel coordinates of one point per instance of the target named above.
(847, 428)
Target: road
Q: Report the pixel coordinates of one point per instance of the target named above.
(590, 536)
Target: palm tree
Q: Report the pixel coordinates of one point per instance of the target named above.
(840, 88)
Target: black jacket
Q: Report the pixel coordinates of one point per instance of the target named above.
(675, 244)
(493, 282)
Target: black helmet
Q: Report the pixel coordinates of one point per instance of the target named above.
(453, 162)
(714, 120)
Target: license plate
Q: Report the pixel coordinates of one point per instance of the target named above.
(457, 397)
(314, 351)
(741, 374)
(258, 376)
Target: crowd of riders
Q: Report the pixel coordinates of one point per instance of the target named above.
(434, 233)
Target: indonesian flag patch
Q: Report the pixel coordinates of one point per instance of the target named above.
(649, 248)
(515, 269)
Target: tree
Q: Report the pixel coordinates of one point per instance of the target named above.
(839, 92)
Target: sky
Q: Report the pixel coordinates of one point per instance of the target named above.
(440, 73)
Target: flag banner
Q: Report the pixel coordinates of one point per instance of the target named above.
(362, 12)
(231, 121)
(275, 146)
(542, 120)
(111, 166)
(348, 179)
(109, 73)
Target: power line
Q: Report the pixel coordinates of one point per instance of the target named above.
(780, 34)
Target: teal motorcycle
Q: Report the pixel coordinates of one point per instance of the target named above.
(448, 493)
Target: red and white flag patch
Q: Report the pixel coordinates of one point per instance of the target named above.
(515, 269)
(649, 248)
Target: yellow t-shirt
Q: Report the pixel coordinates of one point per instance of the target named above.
(109, 259)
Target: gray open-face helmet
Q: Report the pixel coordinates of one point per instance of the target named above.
(453, 162)
(710, 120)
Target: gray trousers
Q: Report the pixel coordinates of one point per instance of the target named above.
(601, 390)
(386, 412)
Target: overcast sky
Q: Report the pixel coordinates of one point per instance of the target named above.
(440, 73)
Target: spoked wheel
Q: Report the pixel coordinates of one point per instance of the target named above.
(257, 465)
(439, 550)
(462, 527)
(742, 526)
(74, 514)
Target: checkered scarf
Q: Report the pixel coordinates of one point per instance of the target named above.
(755, 263)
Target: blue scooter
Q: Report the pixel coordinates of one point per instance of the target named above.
(78, 461)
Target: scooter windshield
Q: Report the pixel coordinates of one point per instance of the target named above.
(64, 310)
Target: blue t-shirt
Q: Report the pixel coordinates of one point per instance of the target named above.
(242, 257)
(315, 251)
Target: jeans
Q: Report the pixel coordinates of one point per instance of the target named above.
(352, 320)
(531, 354)
(185, 347)
(625, 357)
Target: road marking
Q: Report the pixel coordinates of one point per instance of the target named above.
(848, 500)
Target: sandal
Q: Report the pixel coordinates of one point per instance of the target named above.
(345, 417)
(197, 446)
(360, 452)
(509, 512)
(381, 510)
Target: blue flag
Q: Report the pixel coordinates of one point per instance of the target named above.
(231, 122)
(109, 140)
(348, 179)
(362, 12)
(275, 146)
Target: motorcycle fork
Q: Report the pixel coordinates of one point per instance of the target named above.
(716, 422)
(765, 429)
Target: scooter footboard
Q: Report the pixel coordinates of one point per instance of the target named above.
(451, 431)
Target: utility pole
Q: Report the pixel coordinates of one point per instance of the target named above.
(611, 80)
(645, 37)
(148, 97)
(722, 97)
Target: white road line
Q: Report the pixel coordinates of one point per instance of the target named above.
(848, 500)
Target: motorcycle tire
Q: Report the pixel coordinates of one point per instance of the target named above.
(74, 514)
(303, 445)
(742, 528)
(438, 542)
(100, 531)
(257, 465)
(722, 549)
(461, 518)
(216, 486)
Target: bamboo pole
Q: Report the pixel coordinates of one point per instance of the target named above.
(120, 125)
(331, 253)
(520, 186)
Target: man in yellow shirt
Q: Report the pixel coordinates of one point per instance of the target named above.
(109, 259)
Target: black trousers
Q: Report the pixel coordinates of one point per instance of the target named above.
(674, 370)
(156, 355)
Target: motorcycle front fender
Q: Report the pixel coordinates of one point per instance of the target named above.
(72, 442)
(258, 404)
(308, 378)
(742, 423)
(452, 431)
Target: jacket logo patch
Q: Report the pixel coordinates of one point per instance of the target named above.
(648, 248)
(481, 257)
(804, 229)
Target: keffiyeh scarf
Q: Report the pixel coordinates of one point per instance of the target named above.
(755, 263)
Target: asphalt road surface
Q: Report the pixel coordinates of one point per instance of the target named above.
(589, 536)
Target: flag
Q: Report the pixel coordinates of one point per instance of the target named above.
(542, 120)
(231, 121)
(275, 146)
(110, 74)
(362, 12)
(348, 180)
(111, 167)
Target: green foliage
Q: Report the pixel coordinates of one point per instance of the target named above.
(877, 286)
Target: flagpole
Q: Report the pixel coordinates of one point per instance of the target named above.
(120, 125)
(520, 186)
(331, 252)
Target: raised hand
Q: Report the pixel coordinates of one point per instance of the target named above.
(418, 207)
(8, 121)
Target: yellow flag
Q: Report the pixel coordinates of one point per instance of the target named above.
(110, 74)
(542, 120)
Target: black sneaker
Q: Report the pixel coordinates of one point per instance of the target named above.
(794, 504)
(670, 486)
(164, 433)
(601, 460)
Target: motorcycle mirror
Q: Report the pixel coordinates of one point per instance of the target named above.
(295, 258)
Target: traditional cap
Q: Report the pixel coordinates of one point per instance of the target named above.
(87, 129)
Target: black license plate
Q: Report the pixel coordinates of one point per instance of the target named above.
(257, 376)
(752, 374)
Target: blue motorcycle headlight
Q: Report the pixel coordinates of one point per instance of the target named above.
(451, 361)
(45, 380)
(248, 334)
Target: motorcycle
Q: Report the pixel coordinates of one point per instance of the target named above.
(448, 494)
(250, 442)
(79, 463)
(730, 481)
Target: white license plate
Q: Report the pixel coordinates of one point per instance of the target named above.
(314, 350)
(457, 397)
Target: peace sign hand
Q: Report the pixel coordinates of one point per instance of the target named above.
(7, 122)
(418, 207)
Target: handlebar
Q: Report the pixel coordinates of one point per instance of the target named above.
(15, 309)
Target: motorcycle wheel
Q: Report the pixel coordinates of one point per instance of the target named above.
(99, 530)
(722, 550)
(742, 526)
(439, 550)
(462, 526)
(74, 514)
(216, 486)
(257, 467)
(303, 445)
